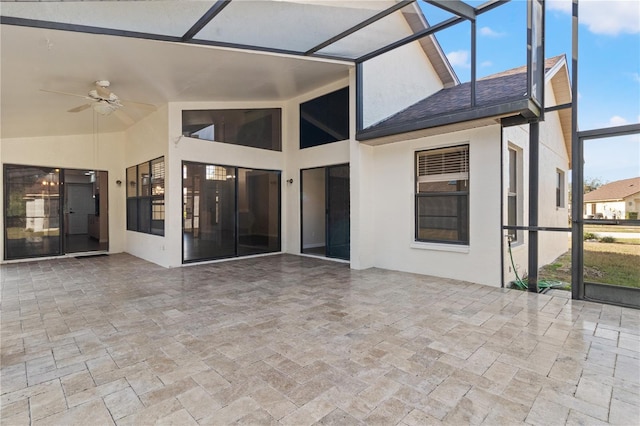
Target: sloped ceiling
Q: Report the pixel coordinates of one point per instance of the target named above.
(139, 70)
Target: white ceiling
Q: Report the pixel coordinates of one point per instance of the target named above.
(139, 70)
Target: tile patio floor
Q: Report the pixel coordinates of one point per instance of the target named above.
(296, 341)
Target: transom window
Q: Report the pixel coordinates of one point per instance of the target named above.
(325, 119)
(442, 195)
(256, 128)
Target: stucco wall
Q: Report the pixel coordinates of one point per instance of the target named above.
(552, 157)
(101, 151)
(392, 191)
(396, 80)
(145, 141)
(296, 159)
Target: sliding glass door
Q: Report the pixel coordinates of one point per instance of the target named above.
(229, 211)
(209, 205)
(325, 199)
(338, 211)
(258, 211)
(53, 211)
(32, 211)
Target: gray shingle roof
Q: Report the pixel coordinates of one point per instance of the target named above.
(501, 88)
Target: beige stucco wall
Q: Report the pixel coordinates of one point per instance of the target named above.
(297, 159)
(395, 80)
(391, 184)
(145, 141)
(552, 157)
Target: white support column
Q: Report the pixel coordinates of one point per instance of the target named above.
(362, 166)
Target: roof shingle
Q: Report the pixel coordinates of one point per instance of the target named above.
(500, 88)
(617, 190)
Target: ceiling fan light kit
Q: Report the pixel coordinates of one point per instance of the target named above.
(105, 102)
(104, 108)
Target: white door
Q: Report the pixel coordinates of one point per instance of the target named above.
(80, 204)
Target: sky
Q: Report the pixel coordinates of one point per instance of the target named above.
(609, 66)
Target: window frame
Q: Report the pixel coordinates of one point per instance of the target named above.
(560, 189)
(464, 219)
(224, 126)
(517, 236)
(209, 170)
(149, 207)
(323, 106)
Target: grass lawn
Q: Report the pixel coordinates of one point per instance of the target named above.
(606, 263)
(594, 229)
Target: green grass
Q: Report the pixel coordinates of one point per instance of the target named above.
(635, 241)
(594, 229)
(606, 267)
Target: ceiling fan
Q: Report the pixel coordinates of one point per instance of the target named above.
(105, 102)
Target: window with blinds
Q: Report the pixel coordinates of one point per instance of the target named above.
(444, 164)
(442, 195)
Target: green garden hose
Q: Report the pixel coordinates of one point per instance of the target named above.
(523, 285)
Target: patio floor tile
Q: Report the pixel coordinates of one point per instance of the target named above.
(294, 340)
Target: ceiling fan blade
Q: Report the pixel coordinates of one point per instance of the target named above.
(80, 108)
(65, 93)
(141, 105)
(123, 117)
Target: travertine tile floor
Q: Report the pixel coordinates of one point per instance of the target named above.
(296, 341)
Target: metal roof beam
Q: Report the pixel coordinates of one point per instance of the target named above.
(492, 4)
(360, 26)
(609, 132)
(205, 19)
(420, 34)
(456, 7)
(33, 23)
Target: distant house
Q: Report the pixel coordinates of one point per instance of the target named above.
(615, 200)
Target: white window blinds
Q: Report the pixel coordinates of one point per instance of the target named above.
(443, 164)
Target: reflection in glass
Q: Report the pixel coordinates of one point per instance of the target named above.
(144, 180)
(338, 212)
(443, 218)
(131, 181)
(257, 128)
(258, 211)
(209, 220)
(314, 208)
(145, 197)
(229, 211)
(325, 119)
(32, 209)
(132, 198)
